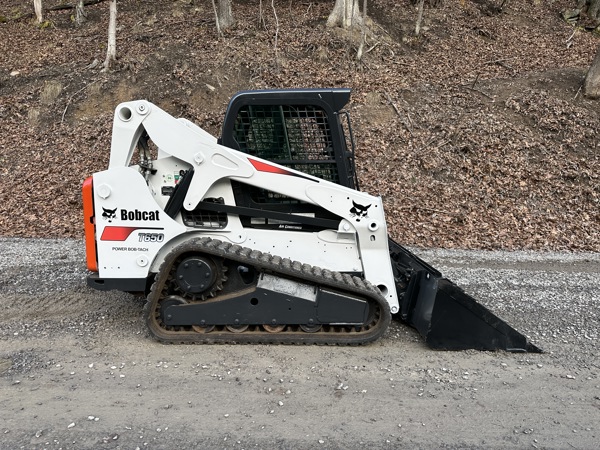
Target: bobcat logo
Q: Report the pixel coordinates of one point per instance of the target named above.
(109, 214)
(359, 211)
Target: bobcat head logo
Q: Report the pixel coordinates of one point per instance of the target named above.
(109, 214)
(359, 211)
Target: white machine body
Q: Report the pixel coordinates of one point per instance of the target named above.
(133, 233)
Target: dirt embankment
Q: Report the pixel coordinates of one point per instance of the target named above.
(475, 132)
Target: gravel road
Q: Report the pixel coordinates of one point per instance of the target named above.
(78, 369)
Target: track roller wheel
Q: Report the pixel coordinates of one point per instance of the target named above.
(274, 328)
(237, 328)
(310, 328)
(203, 330)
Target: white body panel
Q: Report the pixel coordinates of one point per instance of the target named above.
(127, 202)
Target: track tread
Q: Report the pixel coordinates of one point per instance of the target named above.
(303, 272)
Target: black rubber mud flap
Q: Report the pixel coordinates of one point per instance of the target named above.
(450, 319)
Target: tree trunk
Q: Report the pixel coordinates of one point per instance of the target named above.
(594, 9)
(276, 31)
(419, 17)
(261, 18)
(111, 49)
(37, 7)
(217, 23)
(345, 13)
(363, 34)
(224, 14)
(591, 85)
(79, 13)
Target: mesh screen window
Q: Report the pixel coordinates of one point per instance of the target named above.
(298, 137)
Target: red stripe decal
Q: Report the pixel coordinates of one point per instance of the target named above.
(264, 167)
(117, 233)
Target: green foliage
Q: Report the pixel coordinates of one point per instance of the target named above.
(45, 24)
(14, 14)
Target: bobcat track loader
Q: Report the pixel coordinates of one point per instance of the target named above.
(262, 236)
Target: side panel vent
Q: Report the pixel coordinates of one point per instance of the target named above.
(201, 218)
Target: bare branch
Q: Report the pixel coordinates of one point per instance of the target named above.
(389, 99)
(73, 96)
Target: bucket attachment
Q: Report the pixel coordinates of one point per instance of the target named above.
(446, 316)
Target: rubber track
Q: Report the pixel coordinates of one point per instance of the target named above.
(329, 335)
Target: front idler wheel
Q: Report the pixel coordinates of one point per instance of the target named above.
(172, 300)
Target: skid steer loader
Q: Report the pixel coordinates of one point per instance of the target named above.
(262, 236)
